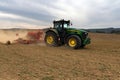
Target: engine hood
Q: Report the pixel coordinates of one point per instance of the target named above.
(76, 30)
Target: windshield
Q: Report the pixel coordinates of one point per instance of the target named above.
(66, 25)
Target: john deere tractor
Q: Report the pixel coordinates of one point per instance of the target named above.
(61, 34)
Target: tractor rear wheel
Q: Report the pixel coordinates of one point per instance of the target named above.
(51, 39)
(74, 41)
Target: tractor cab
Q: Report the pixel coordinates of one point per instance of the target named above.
(61, 24)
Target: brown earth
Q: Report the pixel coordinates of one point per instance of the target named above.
(98, 61)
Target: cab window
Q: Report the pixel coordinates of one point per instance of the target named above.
(66, 25)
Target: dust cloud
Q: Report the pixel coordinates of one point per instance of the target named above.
(13, 35)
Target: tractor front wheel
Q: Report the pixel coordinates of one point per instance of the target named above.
(51, 39)
(74, 41)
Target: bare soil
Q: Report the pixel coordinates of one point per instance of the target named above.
(98, 61)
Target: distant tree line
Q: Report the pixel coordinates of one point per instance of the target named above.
(105, 30)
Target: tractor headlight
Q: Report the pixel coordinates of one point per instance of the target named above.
(85, 34)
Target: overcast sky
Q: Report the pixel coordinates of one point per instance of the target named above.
(41, 13)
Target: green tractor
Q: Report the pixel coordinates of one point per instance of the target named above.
(62, 34)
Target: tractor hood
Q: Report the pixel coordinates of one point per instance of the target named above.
(74, 30)
(82, 33)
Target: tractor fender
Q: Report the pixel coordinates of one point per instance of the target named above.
(52, 30)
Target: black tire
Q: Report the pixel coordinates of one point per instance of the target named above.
(82, 46)
(55, 39)
(77, 40)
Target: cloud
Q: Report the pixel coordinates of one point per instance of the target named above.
(83, 13)
(27, 10)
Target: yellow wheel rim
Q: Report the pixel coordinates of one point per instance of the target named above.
(72, 42)
(50, 39)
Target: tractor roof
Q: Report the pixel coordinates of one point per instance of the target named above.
(62, 21)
